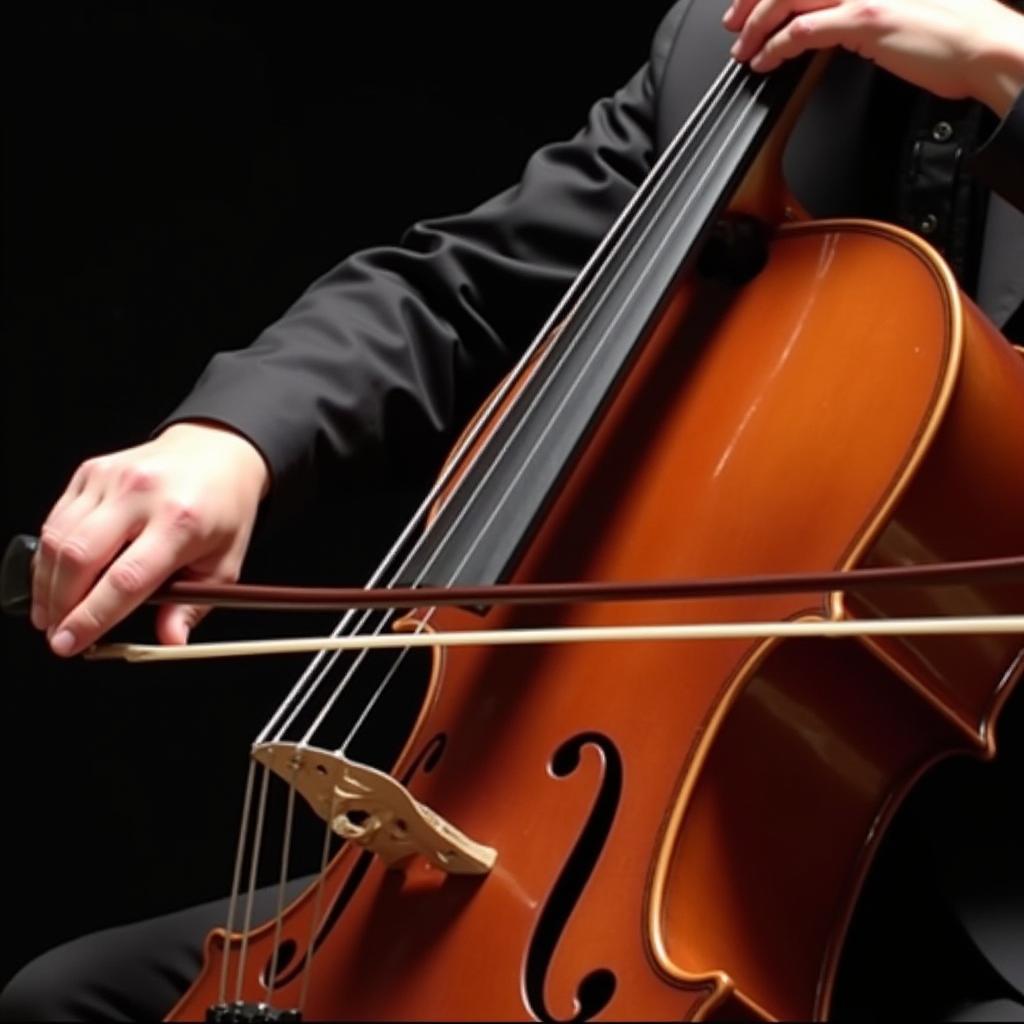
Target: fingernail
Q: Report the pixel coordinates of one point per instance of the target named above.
(728, 14)
(38, 616)
(63, 643)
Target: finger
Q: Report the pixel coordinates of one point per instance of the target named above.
(60, 523)
(737, 14)
(818, 30)
(157, 552)
(82, 494)
(174, 622)
(85, 550)
(767, 18)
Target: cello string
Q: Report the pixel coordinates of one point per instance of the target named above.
(253, 864)
(502, 452)
(297, 699)
(549, 427)
(552, 422)
(728, 73)
(236, 880)
(496, 458)
(382, 685)
(496, 408)
(314, 921)
(286, 848)
(584, 284)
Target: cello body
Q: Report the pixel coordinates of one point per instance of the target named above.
(682, 830)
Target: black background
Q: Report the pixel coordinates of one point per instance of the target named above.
(173, 177)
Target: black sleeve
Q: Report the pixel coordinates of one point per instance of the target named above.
(1000, 161)
(383, 359)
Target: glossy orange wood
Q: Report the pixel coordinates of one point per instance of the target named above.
(846, 403)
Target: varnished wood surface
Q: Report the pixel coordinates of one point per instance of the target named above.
(847, 394)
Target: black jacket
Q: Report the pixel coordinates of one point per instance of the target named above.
(384, 357)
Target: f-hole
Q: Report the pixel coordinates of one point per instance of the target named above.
(595, 990)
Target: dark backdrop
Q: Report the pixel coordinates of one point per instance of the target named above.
(173, 177)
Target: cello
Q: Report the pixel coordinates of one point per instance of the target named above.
(631, 787)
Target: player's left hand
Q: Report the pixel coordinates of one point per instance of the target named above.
(953, 48)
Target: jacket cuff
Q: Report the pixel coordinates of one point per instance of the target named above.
(1000, 160)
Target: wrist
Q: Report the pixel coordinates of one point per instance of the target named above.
(999, 66)
(241, 452)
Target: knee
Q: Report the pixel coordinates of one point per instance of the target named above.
(51, 987)
(91, 978)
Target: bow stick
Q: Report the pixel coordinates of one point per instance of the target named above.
(16, 574)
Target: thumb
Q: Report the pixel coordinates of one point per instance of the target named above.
(174, 622)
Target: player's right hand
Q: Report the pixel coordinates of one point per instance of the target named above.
(182, 504)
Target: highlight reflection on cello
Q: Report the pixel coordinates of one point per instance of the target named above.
(393, 344)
